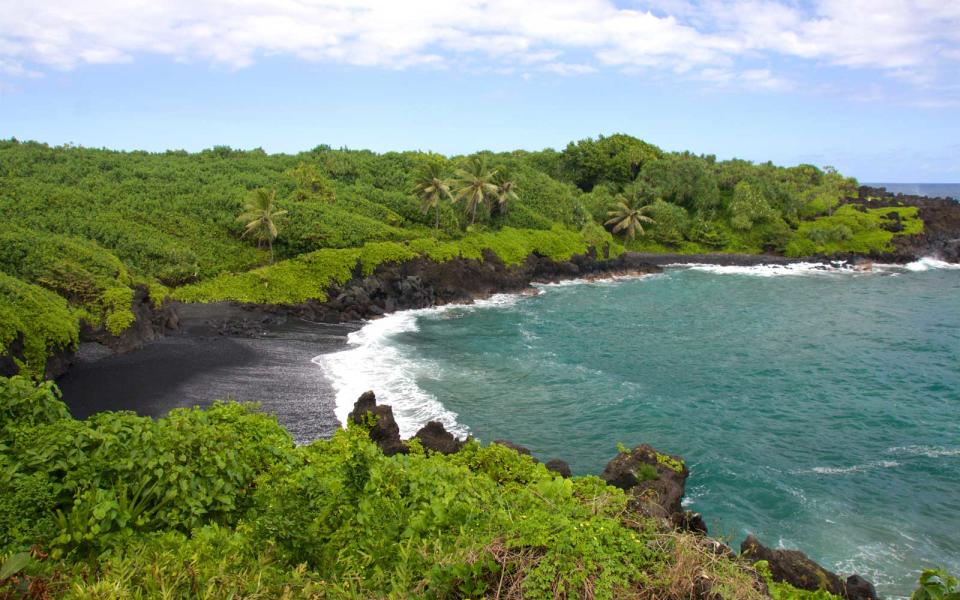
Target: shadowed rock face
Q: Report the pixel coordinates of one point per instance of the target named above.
(859, 588)
(421, 282)
(384, 432)
(795, 568)
(560, 467)
(434, 437)
(655, 481)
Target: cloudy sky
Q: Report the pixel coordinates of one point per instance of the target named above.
(869, 86)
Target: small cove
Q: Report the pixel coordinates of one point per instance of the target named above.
(816, 408)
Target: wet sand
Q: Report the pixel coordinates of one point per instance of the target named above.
(198, 365)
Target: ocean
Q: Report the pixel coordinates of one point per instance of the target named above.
(933, 190)
(817, 408)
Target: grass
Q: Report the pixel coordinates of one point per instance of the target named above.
(309, 276)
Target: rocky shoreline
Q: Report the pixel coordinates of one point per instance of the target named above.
(423, 283)
(655, 485)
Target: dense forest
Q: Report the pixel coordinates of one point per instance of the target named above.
(85, 226)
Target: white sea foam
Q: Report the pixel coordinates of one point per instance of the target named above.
(929, 262)
(928, 451)
(606, 279)
(880, 464)
(814, 268)
(373, 362)
(770, 270)
(873, 561)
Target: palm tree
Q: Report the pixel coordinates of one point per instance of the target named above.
(431, 187)
(506, 191)
(260, 214)
(475, 185)
(625, 215)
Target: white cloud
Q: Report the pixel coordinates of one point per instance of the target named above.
(561, 68)
(915, 42)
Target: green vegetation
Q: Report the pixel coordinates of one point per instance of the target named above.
(309, 275)
(34, 322)
(937, 584)
(850, 229)
(670, 462)
(89, 225)
(628, 216)
(219, 503)
(784, 591)
(260, 215)
(432, 188)
(475, 186)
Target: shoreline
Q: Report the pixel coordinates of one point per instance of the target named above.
(268, 354)
(202, 363)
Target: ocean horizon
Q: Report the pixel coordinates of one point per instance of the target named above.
(931, 190)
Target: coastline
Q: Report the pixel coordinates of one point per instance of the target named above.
(269, 354)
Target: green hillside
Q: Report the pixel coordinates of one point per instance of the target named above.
(86, 225)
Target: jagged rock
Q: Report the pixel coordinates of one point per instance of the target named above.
(434, 436)
(858, 588)
(689, 521)
(512, 446)
(559, 466)
(793, 567)
(385, 432)
(655, 481)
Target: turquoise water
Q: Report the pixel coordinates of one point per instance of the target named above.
(816, 410)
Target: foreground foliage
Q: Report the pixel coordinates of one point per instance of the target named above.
(219, 503)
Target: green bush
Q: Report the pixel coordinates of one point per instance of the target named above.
(224, 493)
(450, 526)
(116, 473)
(38, 319)
(937, 584)
(852, 230)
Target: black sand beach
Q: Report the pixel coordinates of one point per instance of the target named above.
(215, 358)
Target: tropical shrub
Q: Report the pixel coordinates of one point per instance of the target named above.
(937, 584)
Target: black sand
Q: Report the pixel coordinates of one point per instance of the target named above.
(198, 366)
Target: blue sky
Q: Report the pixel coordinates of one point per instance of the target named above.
(872, 88)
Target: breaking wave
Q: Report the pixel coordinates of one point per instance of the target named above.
(374, 361)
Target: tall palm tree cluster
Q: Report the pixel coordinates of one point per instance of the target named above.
(474, 184)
